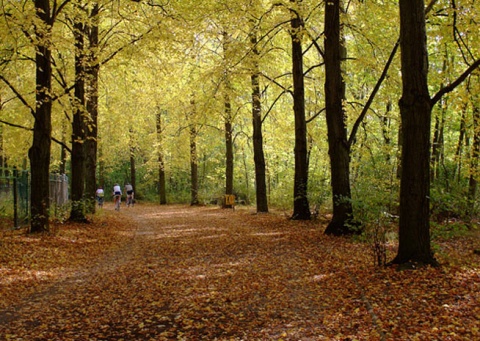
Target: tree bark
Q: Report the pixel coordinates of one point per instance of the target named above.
(475, 154)
(133, 169)
(39, 152)
(228, 147)
(415, 110)
(338, 148)
(228, 118)
(161, 164)
(193, 165)
(301, 207)
(258, 153)
(91, 142)
(437, 144)
(459, 149)
(77, 184)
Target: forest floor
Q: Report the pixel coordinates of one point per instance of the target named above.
(205, 273)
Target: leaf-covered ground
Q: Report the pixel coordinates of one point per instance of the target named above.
(203, 273)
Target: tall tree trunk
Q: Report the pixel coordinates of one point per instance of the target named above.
(459, 149)
(228, 147)
(301, 207)
(101, 167)
(193, 165)
(386, 122)
(161, 163)
(2, 153)
(133, 169)
(475, 154)
(39, 152)
(228, 118)
(437, 144)
(91, 142)
(258, 154)
(77, 185)
(415, 111)
(338, 149)
(63, 150)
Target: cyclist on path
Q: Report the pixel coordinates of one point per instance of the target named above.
(100, 194)
(117, 194)
(130, 194)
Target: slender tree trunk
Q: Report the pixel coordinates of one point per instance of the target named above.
(437, 147)
(338, 150)
(77, 185)
(193, 165)
(258, 154)
(39, 152)
(133, 169)
(2, 153)
(386, 121)
(459, 149)
(415, 110)
(63, 150)
(101, 168)
(228, 147)
(228, 117)
(301, 207)
(474, 169)
(91, 142)
(161, 163)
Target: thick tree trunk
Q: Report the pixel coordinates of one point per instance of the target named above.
(77, 185)
(338, 149)
(161, 165)
(39, 152)
(301, 207)
(415, 110)
(91, 143)
(258, 154)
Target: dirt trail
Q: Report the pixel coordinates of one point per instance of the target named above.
(183, 273)
(203, 273)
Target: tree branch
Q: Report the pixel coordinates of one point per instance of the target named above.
(454, 84)
(31, 129)
(315, 116)
(373, 94)
(19, 96)
(273, 104)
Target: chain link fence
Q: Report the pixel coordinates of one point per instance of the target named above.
(15, 196)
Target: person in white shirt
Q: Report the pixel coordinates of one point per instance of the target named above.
(129, 191)
(100, 196)
(117, 194)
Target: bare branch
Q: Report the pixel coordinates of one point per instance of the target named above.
(373, 94)
(19, 96)
(454, 84)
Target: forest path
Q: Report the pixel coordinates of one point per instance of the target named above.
(200, 273)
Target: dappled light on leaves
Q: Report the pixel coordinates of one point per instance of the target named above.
(203, 273)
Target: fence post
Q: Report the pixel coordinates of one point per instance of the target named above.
(15, 198)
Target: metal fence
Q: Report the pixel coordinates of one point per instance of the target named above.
(15, 194)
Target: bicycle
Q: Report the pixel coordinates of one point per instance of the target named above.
(100, 201)
(117, 202)
(130, 200)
